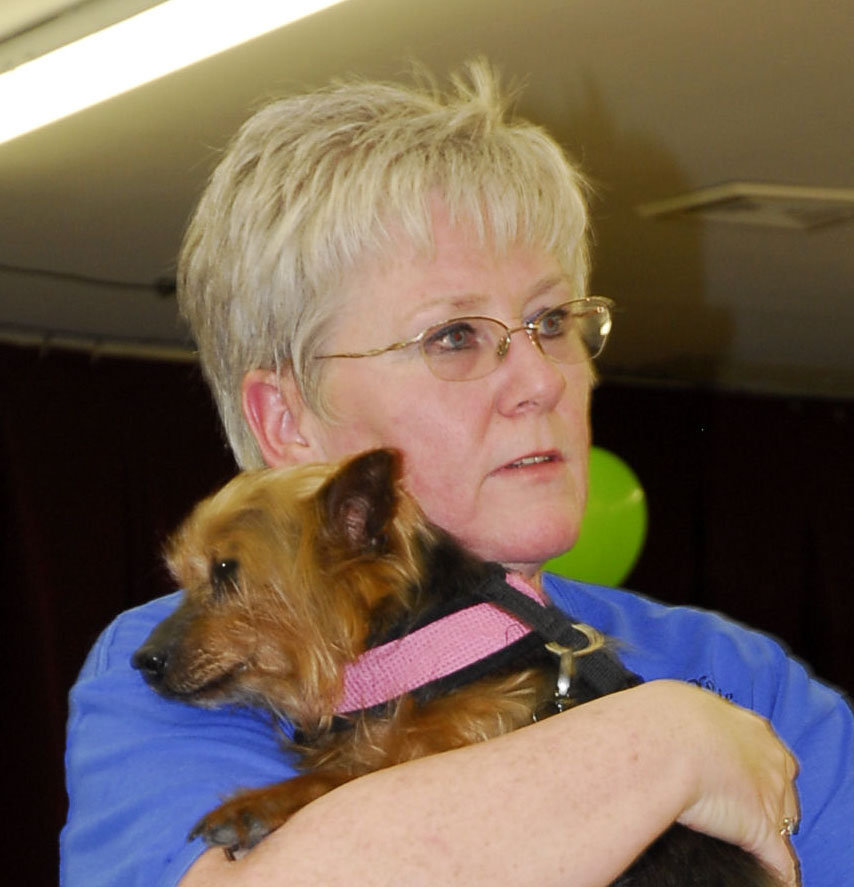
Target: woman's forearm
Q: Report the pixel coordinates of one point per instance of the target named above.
(572, 800)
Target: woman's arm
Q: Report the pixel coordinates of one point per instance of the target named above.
(571, 800)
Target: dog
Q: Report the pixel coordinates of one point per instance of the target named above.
(301, 585)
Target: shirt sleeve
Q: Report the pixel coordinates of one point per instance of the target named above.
(755, 671)
(142, 770)
(816, 722)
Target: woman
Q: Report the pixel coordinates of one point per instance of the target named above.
(341, 239)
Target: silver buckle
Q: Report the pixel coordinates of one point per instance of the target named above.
(562, 698)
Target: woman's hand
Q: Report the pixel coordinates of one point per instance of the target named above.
(739, 774)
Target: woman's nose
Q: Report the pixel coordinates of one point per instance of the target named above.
(531, 380)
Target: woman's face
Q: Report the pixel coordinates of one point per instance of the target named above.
(501, 461)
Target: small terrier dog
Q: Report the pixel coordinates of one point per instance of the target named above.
(310, 592)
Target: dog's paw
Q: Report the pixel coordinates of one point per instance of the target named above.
(236, 826)
(246, 819)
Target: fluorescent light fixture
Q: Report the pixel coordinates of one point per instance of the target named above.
(167, 37)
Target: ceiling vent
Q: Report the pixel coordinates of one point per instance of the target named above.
(749, 203)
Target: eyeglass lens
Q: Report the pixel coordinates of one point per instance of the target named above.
(472, 347)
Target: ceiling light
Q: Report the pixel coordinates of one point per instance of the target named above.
(165, 38)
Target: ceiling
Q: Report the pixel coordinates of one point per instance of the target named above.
(655, 98)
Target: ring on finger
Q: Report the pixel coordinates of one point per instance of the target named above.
(789, 827)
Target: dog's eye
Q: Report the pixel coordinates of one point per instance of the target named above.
(224, 575)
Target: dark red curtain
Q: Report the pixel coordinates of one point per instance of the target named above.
(98, 461)
(751, 509)
(750, 513)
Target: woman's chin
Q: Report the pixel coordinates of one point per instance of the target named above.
(526, 546)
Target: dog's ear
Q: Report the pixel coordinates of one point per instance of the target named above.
(360, 500)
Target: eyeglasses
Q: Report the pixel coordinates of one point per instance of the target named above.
(468, 348)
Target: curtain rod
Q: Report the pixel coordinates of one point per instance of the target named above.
(96, 346)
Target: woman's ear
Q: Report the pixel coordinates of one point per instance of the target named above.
(274, 410)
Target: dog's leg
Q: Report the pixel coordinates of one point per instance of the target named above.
(242, 821)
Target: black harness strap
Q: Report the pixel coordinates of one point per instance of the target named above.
(601, 671)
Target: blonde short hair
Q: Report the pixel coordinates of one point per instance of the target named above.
(312, 185)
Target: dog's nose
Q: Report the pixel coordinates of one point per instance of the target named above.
(151, 661)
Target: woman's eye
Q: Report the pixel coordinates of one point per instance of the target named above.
(456, 336)
(553, 323)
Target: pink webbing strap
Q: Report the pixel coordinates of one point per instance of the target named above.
(432, 652)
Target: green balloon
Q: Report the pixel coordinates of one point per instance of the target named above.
(613, 530)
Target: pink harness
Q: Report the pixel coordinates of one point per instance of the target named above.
(432, 652)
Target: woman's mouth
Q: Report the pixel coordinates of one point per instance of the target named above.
(533, 459)
(530, 460)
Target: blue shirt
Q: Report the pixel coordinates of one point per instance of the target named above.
(141, 770)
